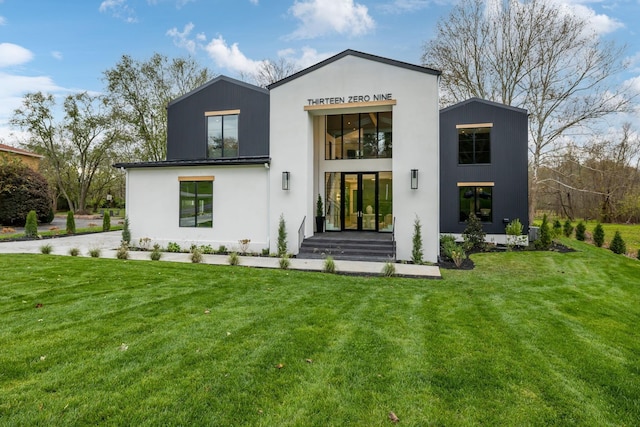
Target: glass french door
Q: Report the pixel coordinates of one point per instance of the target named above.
(359, 201)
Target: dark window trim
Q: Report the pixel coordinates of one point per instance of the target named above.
(475, 186)
(223, 115)
(194, 180)
(474, 127)
(343, 153)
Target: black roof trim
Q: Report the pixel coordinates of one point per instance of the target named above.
(216, 80)
(350, 52)
(231, 161)
(484, 101)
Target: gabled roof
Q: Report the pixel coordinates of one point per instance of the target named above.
(486, 102)
(10, 149)
(363, 55)
(216, 80)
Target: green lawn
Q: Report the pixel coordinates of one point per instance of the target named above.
(527, 338)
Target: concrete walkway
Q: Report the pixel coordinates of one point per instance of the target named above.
(109, 242)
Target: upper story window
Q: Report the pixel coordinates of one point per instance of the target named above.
(222, 133)
(474, 144)
(359, 136)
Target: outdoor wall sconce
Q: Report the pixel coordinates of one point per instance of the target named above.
(414, 179)
(286, 178)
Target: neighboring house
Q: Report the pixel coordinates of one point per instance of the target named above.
(360, 130)
(30, 159)
(483, 167)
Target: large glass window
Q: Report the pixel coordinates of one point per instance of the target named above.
(358, 136)
(196, 203)
(474, 146)
(478, 200)
(222, 136)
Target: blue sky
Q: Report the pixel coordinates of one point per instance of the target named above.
(64, 46)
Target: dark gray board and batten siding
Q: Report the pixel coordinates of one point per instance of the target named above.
(508, 168)
(187, 124)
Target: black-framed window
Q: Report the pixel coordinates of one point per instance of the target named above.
(476, 199)
(222, 136)
(474, 146)
(196, 203)
(359, 136)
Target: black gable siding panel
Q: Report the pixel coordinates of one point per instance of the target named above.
(508, 167)
(187, 124)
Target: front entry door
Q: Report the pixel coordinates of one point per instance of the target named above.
(360, 196)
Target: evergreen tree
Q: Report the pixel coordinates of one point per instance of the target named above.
(126, 233)
(598, 235)
(473, 234)
(581, 230)
(71, 223)
(544, 237)
(31, 227)
(106, 221)
(618, 246)
(557, 228)
(568, 228)
(416, 252)
(282, 237)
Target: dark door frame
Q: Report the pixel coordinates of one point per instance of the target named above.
(359, 202)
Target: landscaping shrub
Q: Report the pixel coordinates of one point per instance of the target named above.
(46, 249)
(206, 249)
(617, 245)
(329, 265)
(234, 258)
(598, 235)
(581, 230)
(265, 251)
(568, 228)
(473, 233)
(222, 249)
(285, 262)
(244, 245)
(557, 229)
(514, 231)
(389, 269)
(544, 240)
(123, 251)
(156, 254)
(416, 251)
(106, 221)
(126, 232)
(458, 255)
(173, 247)
(196, 255)
(282, 237)
(71, 223)
(94, 253)
(31, 227)
(22, 190)
(74, 251)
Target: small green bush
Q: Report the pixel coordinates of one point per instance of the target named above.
(618, 246)
(568, 228)
(285, 262)
(581, 230)
(222, 249)
(473, 234)
(389, 269)
(556, 229)
(196, 256)
(94, 252)
(514, 231)
(543, 242)
(207, 249)
(106, 222)
(173, 247)
(74, 251)
(329, 265)
(265, 252)
(416, 251)
(71, 223)
(126, 232)
(156, 254)
(458, 256)
(123, 251)
(282, 236)
(46, 249)
(31, 226)
(234, 258)
(598, 235)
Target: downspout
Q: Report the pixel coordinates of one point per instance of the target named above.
(266, 166)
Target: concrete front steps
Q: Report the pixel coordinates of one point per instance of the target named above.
(352, 246)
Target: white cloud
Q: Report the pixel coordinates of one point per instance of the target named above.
(119, 9)
(230, 57)
(600, 24)
(321, 17)
(253, 1)
(307, 57)
(57, 54)
(12, 54)
(181, 39)
(403, 6)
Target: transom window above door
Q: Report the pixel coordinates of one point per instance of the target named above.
(359, 136)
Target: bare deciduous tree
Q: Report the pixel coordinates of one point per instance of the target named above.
(270, 71)
(532, 55)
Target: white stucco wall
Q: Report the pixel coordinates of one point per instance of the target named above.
(240, 206)
(415, 146)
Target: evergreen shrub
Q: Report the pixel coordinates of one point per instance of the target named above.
(617, 245)
(598, 235)
(581, 230)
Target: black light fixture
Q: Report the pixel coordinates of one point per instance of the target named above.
(414, 179)
(286, 179)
